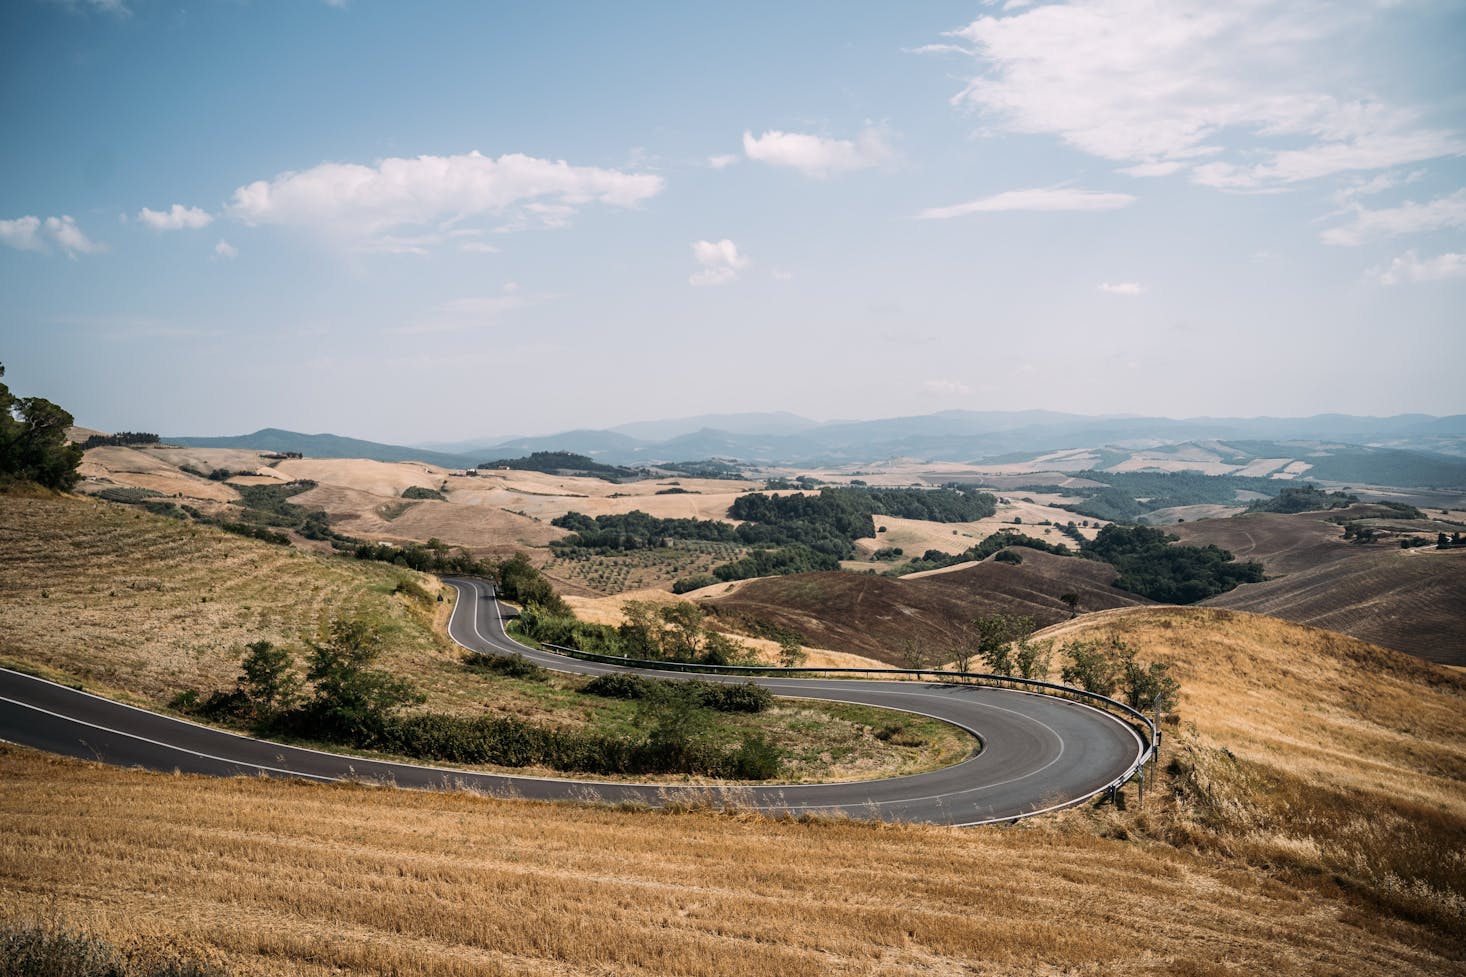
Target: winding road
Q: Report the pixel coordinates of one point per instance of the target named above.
(1039, 753)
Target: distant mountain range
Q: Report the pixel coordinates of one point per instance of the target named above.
(951, 436)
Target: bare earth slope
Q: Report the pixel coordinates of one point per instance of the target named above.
(877, 616)
(1410, 600)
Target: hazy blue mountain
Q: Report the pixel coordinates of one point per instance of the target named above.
(604, 446)
(326, 446)
(959, 436)
(770, 422)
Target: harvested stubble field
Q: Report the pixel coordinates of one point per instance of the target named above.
(273, 878)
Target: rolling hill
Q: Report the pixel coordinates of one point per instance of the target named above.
(1406, 599)
(877, 616)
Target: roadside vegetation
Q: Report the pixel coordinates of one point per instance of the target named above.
(343, 697)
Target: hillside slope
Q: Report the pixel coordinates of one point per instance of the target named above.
(1408, 600)
(1309, 751)
(877, 616)
(125, 600)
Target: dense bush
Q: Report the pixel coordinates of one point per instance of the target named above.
(510, 666)
(418, 492)
(718, 696)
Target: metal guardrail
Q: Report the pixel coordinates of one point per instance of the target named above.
(1148, 731)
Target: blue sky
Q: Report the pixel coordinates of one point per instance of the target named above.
(432, 221)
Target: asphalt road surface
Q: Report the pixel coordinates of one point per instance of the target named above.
(1038, 753)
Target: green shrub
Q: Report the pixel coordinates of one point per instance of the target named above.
(511, 666)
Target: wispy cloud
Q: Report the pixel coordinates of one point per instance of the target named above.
(819, 156)
(1411, 268)
(1121, 288)
(723, 160)
(225, 250)
(946, 388)
(34, 234)
(472, 312)
(175, 218)
(1242, 95)
(1408, 218)
(428, 195)
(719, 262)
(1049, 199)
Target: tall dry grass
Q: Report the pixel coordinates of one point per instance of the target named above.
(1310, 753)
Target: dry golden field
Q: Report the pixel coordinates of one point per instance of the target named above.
(136, 604)
(273, 878)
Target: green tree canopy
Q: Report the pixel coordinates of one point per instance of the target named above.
(33, 444)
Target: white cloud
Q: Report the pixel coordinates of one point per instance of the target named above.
(720, 262)
(1121, 288)
(723, 160)
(1048, 199)
(1245, 95)
(818, 156)
(368, 203)
(1375, 184)
(1408, 218)
(225, 250)
(1410, 267)
(175, 218)
(946, 388)
(34, 234)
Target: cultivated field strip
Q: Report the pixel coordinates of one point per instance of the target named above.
(149, 605)
(276, 878)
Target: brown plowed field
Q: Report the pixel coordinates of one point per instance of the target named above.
(1281, 543)
(1408, 600)
(876, 616)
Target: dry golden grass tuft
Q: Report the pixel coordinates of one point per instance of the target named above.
(276, 878)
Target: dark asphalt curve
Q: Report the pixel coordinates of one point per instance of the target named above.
(1039, 753)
